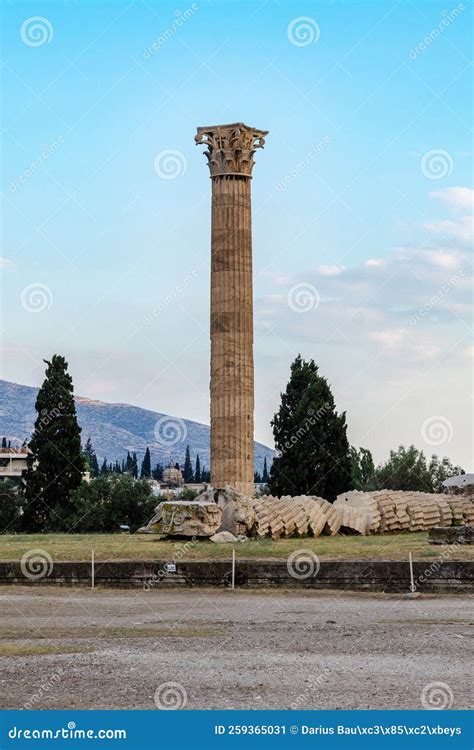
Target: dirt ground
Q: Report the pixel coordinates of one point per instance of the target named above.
(70, 648)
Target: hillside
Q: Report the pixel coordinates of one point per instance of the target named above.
(115, 428)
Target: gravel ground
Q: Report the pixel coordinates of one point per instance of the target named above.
(67, 648)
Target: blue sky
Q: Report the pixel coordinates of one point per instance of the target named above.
(361, 193)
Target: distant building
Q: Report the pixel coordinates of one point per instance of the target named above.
(13, 463)
(459, 485)
(172, 478)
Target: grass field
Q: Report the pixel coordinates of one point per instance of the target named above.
(141, 547)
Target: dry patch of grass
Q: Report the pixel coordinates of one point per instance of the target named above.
(124, 631)
(109, 547)
(39, 649)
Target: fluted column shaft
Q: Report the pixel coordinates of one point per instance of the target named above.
(230, 151)
(232, 377)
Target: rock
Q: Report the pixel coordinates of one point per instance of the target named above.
(223, 537)
(183, 518)
(451, 535)
(238, 515)
(153, 525)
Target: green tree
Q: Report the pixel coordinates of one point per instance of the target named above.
(362, 469)
(441, 469)
(265, 471)
(104, 468)
(257, 478)
(187, 494)
(134, 466)
(197, 470)
(90, 459)
(105, 503)
(56, 444)
(145, 472)
(129, 463)
(310, 437)
(10, 507)
(408, 469)
(158, 472)
(188, 467)
(4, 442)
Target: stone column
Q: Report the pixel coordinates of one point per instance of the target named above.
(230, 150)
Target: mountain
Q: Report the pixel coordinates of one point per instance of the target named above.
(117, 428)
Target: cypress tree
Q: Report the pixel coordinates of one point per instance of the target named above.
(188, 467)
(145, 472)
(134, 466)
(265, 471)
(56, 444)
(91, 458)
(310, 437)
(4, 442)
(197, 471)
(158, 472)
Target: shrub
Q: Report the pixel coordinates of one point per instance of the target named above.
(10, 507)
(106, 503)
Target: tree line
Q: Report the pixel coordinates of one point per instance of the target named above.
(132, 466)
(313, 458)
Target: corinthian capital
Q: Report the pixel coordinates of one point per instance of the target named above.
(230, 148)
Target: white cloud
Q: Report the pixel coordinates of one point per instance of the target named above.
(460, 198)
(461, 230)
(330, 270)
(412, 304)
(389, 338)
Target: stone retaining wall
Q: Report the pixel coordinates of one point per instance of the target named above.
(435, 576)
